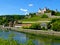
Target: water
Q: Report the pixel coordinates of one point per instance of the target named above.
(22, 38)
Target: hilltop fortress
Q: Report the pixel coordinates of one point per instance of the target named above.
(43, 11)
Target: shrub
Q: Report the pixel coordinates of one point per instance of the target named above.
(57, 14)
(49, 25)
(54, 20)
(44, 16)
(30, 42)
(56, 26)
(43, 28)
(52, 12)
(35, 26)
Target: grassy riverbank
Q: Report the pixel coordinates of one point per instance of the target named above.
(10, 39)
(14, 42)
(32, 34)
(43, 33)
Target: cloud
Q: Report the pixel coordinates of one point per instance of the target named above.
(30, 5)
(24, 10)
(26, 13)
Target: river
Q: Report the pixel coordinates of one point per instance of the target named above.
(22, 38)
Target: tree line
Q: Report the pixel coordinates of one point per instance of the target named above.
(5, 19)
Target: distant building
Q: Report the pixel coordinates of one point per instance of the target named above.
(43, 25)
(42, 11)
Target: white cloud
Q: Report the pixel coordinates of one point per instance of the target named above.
(24, 10)
(26, 13)
(30, 5)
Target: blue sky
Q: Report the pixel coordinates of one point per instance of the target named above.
(26, 6)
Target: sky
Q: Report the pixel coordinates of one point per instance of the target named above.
(26, 6)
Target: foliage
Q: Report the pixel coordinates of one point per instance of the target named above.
(49, 25)
(29, 42)
(32, 14)
(43, 28)
(35, 26)
(7, 42)
(5, 19)
(14, 42)
(54, 25)
(57, 14)
(34, 18)
(11, 41)
(53, 12)
(54, 20)
(44, 16)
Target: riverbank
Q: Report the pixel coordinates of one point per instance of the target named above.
(43, 33)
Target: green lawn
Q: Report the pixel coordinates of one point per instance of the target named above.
(37, 18)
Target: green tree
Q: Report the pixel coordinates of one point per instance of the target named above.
(54, 25)
(44, 16)
(57, 14)
(35, 26)
(32, 14)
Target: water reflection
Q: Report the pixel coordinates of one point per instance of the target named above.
(22, 38)
(43, 40)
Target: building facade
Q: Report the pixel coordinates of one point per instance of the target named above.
(42, 11)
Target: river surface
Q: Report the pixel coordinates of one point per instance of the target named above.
(21, 37)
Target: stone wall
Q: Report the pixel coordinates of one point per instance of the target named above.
(55, 16)
(48, 14)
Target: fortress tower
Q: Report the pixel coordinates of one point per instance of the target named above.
(42, 11)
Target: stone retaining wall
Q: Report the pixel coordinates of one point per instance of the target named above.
(38, 32)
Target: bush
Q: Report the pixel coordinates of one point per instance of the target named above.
(44, 16)
(57, 14)
(35, 26)
(56, 26)
(43, 28)
(54, 20)
(52, 12)
(49, 25)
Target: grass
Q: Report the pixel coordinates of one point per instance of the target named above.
(37, 18)
(14, 42)
(39, 34)
(11, 41)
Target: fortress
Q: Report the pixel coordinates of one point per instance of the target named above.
(43, 11)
